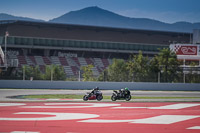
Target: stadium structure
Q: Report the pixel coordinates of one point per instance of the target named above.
(73, 46)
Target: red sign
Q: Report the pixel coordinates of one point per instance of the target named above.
(186, 50)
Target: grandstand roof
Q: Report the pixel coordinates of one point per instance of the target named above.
(95, 33)
(60, 25)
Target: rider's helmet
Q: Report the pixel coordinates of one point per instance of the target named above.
(97, 88)
(126, 89)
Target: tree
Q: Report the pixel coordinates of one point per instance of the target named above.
(117, 71)
(168, 64)
(192, 76)
(103, 76)
(54, 72)
(87, 73)
(154, 69)
(138, 67)
(31, 71)
(48, 71)
(58, 73)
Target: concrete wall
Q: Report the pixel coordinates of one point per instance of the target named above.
(102, 85)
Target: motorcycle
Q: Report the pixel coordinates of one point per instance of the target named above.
(120, 96)
(90, 96)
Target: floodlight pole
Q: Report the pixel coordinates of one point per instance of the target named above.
(24, 67)
(79, 75)
(51, 73)
(5, 56)
(183, 71)
(158, 77)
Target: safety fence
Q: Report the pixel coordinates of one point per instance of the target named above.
(20, 84)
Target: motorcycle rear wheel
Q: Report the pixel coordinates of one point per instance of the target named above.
(113, 98)
(85, 98)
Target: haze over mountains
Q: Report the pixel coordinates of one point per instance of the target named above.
(4, 16)
(96, 16)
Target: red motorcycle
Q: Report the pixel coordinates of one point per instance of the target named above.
(91, 96)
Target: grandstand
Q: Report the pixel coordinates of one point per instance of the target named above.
(73, 46)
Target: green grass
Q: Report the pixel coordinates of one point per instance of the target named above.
(59, 96)
(66, 96)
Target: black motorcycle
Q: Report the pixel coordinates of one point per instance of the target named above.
(92, 96)
(121, 95)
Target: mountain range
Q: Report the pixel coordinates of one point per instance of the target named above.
(4, 16)
(96, 16)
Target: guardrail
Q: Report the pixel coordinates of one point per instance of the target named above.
(26, 84)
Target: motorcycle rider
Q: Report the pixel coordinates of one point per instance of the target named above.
(95, 91)
(124, 91)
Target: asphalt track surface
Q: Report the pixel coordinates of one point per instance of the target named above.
(6, 93)
(83, 117)
(44, 116)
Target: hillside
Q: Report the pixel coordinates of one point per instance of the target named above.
(96, 16)
(99, 17)
(4, 16)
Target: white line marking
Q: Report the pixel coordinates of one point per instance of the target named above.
(165, 119)
(23, 132)
(11, 104)
(195, 127)
(162, 119)
(55, 116)
(176, 106)
(173, 106)
(81, 105)
(104, 121)
(129, 107)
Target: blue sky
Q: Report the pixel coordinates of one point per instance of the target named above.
(168, 11)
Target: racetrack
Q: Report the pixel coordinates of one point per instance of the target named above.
(143, 117)
(31, 116)
(5, 93)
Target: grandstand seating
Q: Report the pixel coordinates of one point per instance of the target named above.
(76, 60)
(89, 61)
(71, 65)
(39, 60)
(75, 70)
(22, 60)
(68, 70)
(82, 61)
(55, 60)
(105, 62)
(71, 62)
(63, 61)
(29, 60)
(46, 60)
(98, 62)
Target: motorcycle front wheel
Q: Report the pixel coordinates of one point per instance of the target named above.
(100, 97)
(128, 97)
